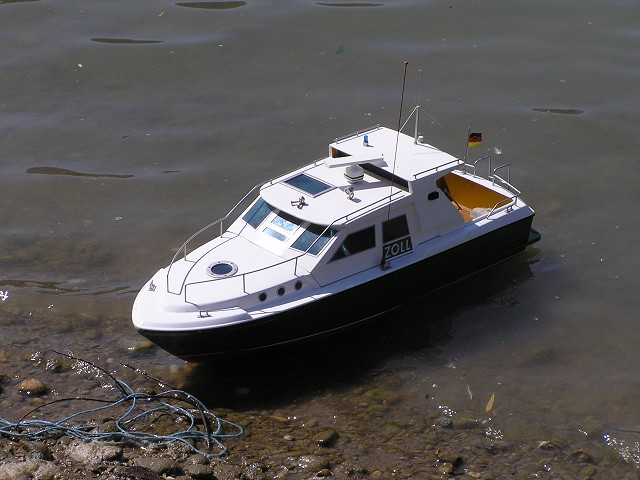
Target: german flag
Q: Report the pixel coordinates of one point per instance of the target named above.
(475, 139)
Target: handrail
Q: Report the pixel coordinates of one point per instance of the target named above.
(508, 167)
(504, 204)
(478, 161)
(458, 161)
(356, 133)
(212, 224)
(220, 220)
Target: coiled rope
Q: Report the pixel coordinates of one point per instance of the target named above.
(141, 410)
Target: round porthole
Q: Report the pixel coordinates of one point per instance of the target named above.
(222, 269)
(281, 291)
(298, 285)
(262, 297)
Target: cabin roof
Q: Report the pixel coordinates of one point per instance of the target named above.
(412, 159)
(323, 183)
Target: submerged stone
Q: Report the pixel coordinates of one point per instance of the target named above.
(313, 462)
(326, 438)
(33, 386)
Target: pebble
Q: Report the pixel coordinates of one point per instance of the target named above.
(546, 445)
(445, 468)
(326, 438)
(580, 456)
(33, 386)
(142, 346)
(313, 462)
(448, 457)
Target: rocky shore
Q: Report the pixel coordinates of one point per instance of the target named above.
(303, 442)
(294, 426)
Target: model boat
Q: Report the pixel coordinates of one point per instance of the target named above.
(383, 219)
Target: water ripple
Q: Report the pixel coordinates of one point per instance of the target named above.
(72, 173)
(128, 41)
(562, 111)
(17, 1)
(212, 5)
(351, 4)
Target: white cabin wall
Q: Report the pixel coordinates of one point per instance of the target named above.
(435, 217)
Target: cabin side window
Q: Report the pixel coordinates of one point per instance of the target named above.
(356, 242)
(257, 213)
(396, 239)
(314, 238)
(395, 228)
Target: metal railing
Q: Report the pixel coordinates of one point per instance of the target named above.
(232, 213)
(457, 161)
(504, 204)
(356, 133)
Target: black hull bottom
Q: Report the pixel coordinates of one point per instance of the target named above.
(350, 307)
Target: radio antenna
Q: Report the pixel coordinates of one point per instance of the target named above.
(383, 262)
(395, 154)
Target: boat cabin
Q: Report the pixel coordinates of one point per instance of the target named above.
(377, 205)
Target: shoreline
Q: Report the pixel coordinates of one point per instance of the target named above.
(276, 447)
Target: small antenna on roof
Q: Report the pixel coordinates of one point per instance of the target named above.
(419, 88)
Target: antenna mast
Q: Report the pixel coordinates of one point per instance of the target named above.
(384, 264)
(395, 155)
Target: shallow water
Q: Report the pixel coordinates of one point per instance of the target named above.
(126, 127)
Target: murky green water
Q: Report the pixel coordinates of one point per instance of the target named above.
(125, 127)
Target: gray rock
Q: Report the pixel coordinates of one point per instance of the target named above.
(445, 422)
(254, 473)
(158, 466)
(197, 459)
(108, 427)
(199, 472)
(93, 454)
(37, 469)
(224, 471)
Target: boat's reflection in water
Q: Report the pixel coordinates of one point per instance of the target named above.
(413, 332)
